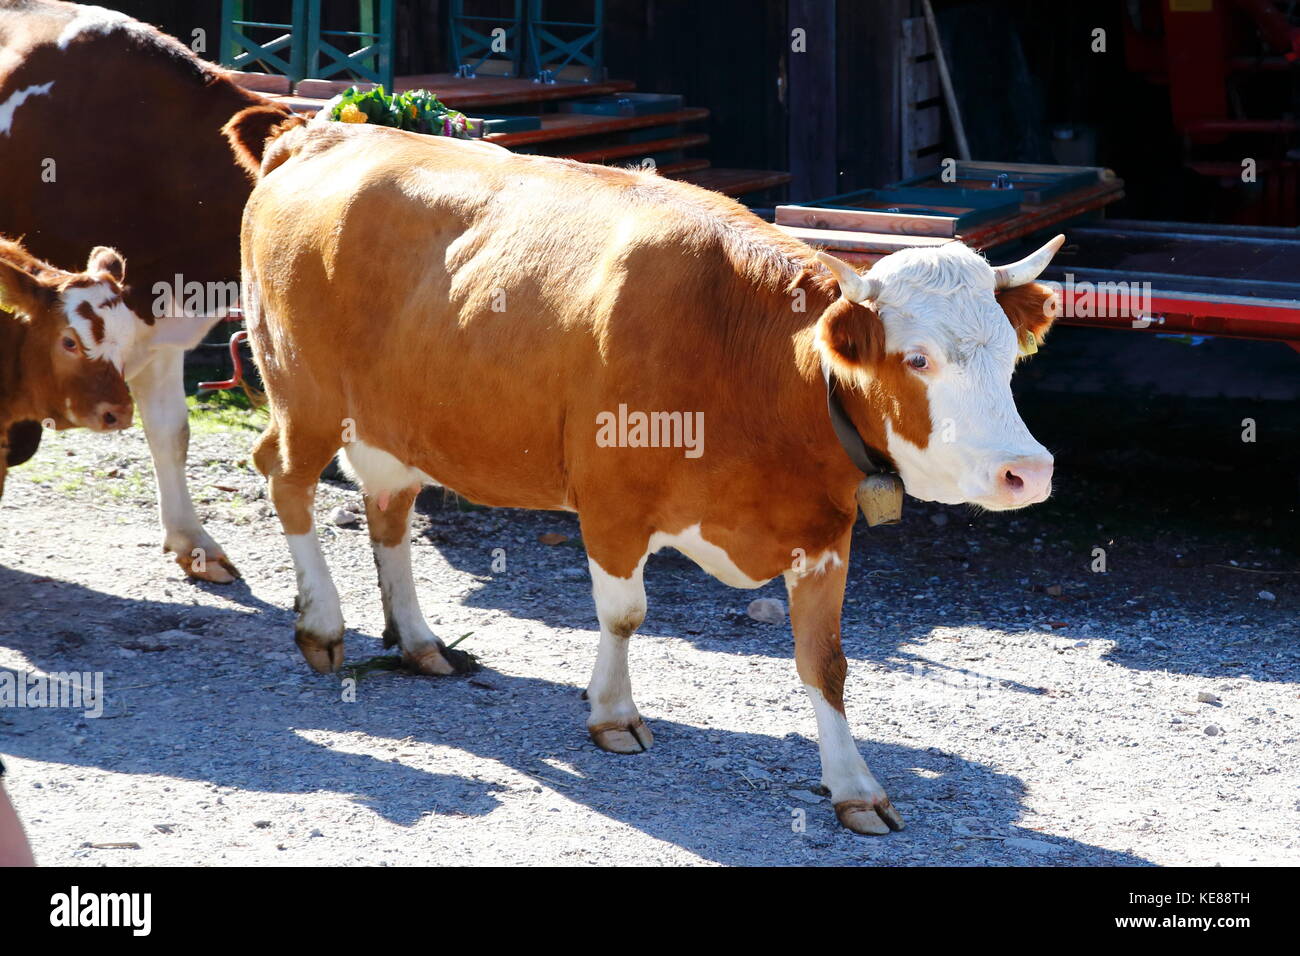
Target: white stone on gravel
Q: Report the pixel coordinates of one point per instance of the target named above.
(767, 610)
(1207, 697)
(343, 517)
(1267, 596)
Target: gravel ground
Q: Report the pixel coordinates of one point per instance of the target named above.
(1020, 708)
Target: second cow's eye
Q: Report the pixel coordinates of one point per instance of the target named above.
(918, 362)
(70, 343)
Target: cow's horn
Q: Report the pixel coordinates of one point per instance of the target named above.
(853, 285)
(1027, 269)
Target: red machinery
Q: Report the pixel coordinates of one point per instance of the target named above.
(1228, 65)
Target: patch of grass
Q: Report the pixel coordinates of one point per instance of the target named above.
(225, 411)
(361, 669)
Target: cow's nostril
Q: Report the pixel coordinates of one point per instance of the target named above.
(1014, 481)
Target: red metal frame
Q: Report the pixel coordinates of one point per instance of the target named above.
(1227, 317)
(236, 380)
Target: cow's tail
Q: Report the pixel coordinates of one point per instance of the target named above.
(258, 137)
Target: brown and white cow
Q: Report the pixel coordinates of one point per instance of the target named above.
(451, 312)
(110, 132)
(63, 339)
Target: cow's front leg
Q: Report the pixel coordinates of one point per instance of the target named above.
(159, 390)
(615, 723)
(388, 519)
(816, 598)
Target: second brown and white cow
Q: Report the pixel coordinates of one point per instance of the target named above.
(110, 132)
(63, 340)
(452, 312)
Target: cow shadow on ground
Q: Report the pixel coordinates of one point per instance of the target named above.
(259, 721)
(988, 571)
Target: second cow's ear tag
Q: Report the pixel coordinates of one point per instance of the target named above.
(1028, 343)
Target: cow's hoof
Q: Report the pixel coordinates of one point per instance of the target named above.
(324, 657)
(872, 819)
(622, 738)
(218, 569)
(429, 660)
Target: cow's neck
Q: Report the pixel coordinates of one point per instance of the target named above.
(832, 460)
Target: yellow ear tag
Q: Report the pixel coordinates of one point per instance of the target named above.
(5, 307)
(1028, 343)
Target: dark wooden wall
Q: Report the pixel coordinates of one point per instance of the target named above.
(829, 115)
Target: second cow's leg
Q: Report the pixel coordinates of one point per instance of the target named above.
(614, 722)
(388, 517)
(159, 390)
(291, 469)
(816, 599)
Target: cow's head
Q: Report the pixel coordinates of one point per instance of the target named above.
(75, 330)
(929, 337)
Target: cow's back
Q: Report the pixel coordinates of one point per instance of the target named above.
(473, 310)
(137, 162)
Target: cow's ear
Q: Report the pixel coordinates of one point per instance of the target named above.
(851, 335)
(251, 131)
(1031, 309)
(21, 293)
(106, 259)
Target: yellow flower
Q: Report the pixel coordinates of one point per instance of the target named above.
(351, 114)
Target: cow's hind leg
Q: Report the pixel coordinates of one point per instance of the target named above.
(614, 723)
(388, 516)
(816, 600)
(292, 464)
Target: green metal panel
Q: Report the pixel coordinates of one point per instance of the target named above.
(561, 48)
(283, 51)
(372, 59)
(471, 39)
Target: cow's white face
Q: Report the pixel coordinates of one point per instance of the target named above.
(936, 368)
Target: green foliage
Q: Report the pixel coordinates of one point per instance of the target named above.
(417, 111)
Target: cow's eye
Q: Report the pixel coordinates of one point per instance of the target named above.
(918, 362)
(69, 343)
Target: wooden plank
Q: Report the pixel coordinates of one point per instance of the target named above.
(734, 182)
(328, 89)
(462, 94)
(679, 169)
(1033, 218)
(299, 104)
(573, 125)
(1046, 169)
(861, 241)
(921, 127)
(811, 97)
(260, 82)
(1036, 183)
(924, 83)
(924, 128)
(916, 39)
(865, 220)
(499, 91)
(601, 154)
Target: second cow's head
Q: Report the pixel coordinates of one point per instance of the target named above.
(76, 331)
(930, 337)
